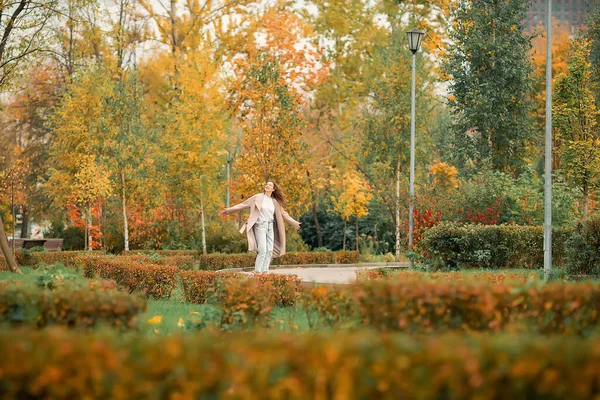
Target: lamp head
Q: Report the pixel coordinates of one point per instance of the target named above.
(415, 37)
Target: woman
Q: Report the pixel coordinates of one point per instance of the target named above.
(264, 227)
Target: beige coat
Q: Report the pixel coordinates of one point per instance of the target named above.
(254, 203)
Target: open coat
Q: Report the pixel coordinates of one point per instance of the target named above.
(254, 203)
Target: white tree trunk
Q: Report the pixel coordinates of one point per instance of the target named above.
(398, 211)
(125, 223)
(344, 248)
(202, 226)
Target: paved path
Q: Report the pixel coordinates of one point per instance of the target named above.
(323, 275)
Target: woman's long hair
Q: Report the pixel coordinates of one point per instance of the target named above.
(278, 195)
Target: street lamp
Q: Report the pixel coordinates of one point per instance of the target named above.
(548, 148)
(415, 37)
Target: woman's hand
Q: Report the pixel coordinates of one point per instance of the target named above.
(297, 226)
(223, 213)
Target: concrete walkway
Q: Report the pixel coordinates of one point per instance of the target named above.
(327, 274)
(322, 275)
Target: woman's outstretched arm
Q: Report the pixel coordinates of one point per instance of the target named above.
(238, 207)
(289, 219)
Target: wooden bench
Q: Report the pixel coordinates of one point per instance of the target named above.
(18, 243)
(54, 244)
(49, 244)
(31, 243)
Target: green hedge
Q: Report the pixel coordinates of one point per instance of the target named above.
(583, 249)
(88, 306)
(215, 262)
(70, 259)
(60, 364)
(489, 246)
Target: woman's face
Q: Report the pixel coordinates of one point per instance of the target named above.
(269, 187)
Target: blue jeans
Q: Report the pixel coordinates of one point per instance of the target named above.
(263, 232)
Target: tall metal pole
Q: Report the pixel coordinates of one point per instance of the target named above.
(412, 159)
(12, 208)
(548, 149)
(228, 181)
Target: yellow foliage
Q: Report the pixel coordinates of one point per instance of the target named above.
(268, 92)
(444, 175)
(353, 195)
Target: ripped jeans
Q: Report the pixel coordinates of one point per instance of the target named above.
(263, 232)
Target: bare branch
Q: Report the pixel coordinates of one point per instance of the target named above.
(10, 26)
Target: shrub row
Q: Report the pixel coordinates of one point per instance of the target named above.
(239, 290)
(183, 259)
(88, 306)
(328, 306)
(412, 305)
(492, 277)
(423, 306)
(163, 253)
(583, 248)
(488, 246)
(198, 286)
(360, 365)
(182, 262)
(156, 281)
(70, 259)
(75, 259)
(214, 262)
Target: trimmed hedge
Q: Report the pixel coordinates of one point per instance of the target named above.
(97, 304)
(181, 262)
(215, 262)
(329, 306)
(583, 248)
(198, 286)
(70, 259)
(155, 281)
(423, 306)
(492, 277)
(60, 364)
(489, 246)
(77, 259)
(162, 253)
(274, 290)
(244, 303)
(284, 289)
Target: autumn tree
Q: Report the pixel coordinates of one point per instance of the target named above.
(90, 185)
(489, 70)
(271, 87)
(187, 27)
(576, 120)
(26, 132)
(77, 37)
(593, 34)
(351, 199)
(102, 115)
(195, 141)
(560, 54)
(384, 146)
(21, 31)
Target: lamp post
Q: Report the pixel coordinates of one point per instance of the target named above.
(548, 148)
(415, 37)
